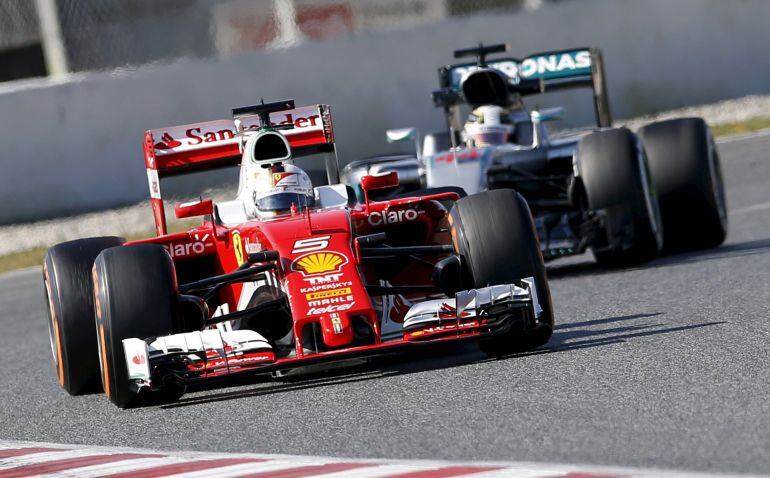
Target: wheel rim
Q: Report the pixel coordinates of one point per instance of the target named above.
(458, 241)
(53, 332)
(51, 325)
(100, 339)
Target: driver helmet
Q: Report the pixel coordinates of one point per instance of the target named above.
(279, 186)
(487, 126)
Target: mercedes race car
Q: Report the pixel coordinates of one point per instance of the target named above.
(324, 279)
(624, 195)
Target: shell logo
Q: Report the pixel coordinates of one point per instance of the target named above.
(319, 263)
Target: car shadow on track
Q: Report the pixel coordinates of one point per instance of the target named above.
(725, 251)
(567, 337)
(581, 338)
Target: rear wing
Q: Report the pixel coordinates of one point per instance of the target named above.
(557, 70)
(215, 144)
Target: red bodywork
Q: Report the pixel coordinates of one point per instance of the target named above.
(320, 268)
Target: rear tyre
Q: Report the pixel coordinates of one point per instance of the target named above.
(685, 168)
(69, 296)
(494, 234)
(135, 292)
(616, 180)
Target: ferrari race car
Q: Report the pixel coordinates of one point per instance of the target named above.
(324, 280)
(624, 195)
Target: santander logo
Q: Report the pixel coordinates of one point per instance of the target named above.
(205, 134)
(167, 142)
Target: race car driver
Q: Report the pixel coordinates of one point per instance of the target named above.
(271, 190)
(488, 126)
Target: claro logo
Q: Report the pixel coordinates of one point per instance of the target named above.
(185, 250)
(377, 218)
(189, 249)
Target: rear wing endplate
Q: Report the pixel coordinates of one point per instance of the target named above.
(558, 70)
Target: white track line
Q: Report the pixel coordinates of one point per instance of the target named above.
(391, 469)
(280, 464)
(244, 468)
(38, 458)
(124, 466)
(378, 471)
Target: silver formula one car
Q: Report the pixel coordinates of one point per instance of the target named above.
(625, 195)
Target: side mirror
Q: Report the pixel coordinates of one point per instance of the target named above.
(401, 134)
(382, 181)
(405, 134)
(548, 114)
(194, 209)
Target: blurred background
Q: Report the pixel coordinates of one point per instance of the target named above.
(81, 80)
(58, 36)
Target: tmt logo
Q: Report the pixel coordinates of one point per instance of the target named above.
(327, 279)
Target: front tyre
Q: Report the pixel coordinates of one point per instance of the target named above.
(69, 296)
(494, 235)
(135, 295)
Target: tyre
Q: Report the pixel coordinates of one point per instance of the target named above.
(616, 180)
(685, 168)
(494, 235)
(69, 296)
(135, 292)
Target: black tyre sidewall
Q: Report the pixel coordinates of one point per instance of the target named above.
(495, 236)
(69, 299)
(686, 170)
(616, 179)
(135, 290)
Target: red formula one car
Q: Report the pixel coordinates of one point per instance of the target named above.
(257, 288)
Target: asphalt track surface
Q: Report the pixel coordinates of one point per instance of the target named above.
(663, 366)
